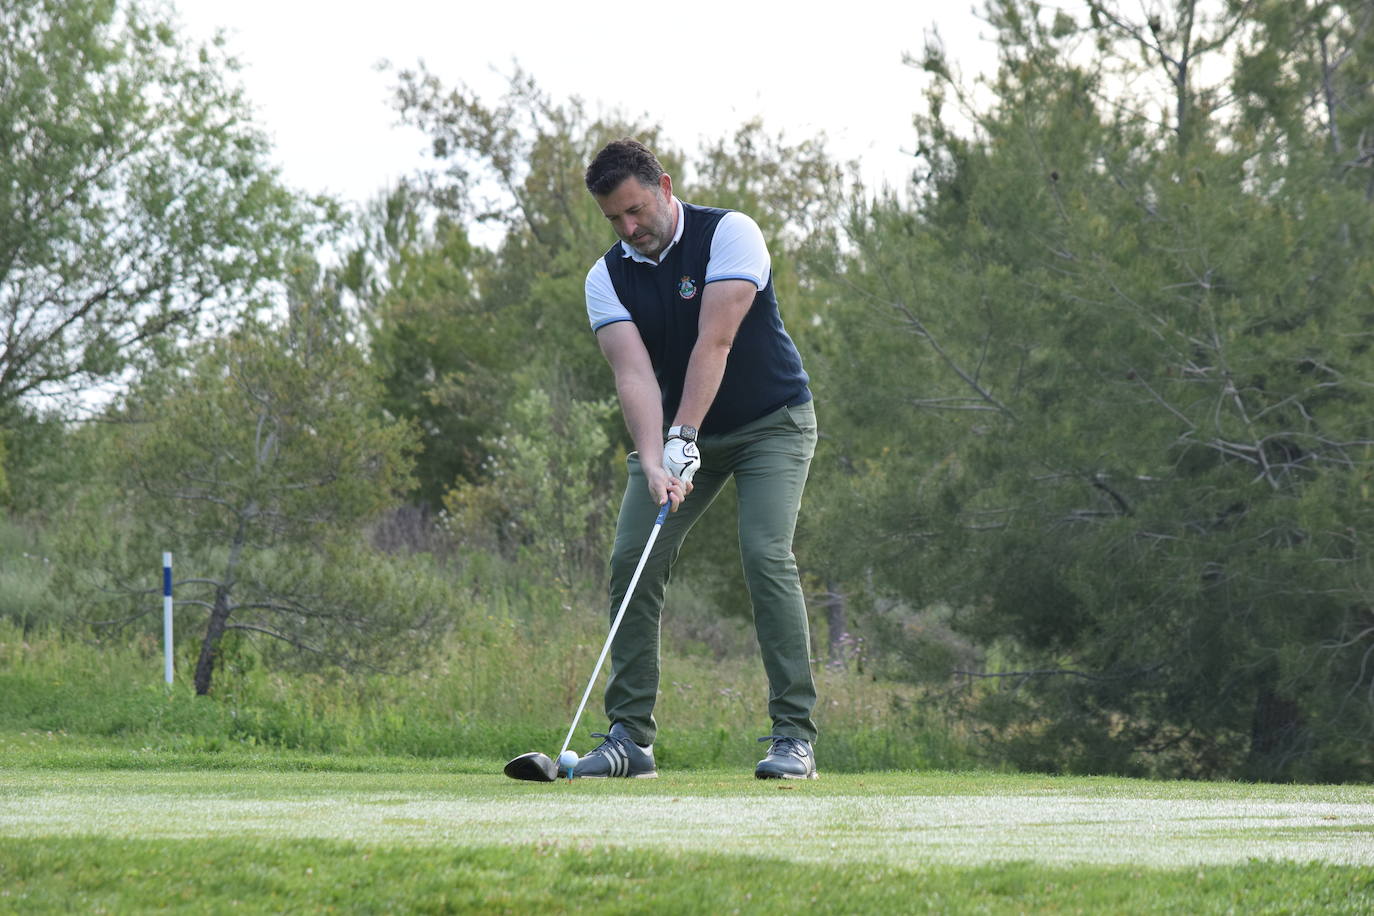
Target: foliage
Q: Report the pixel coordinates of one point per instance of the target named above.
(463, 332)
(1132, 369)
(258, 467)
(136, 202)
(441, 354)
(792, 190)
(544, 490)
(25, 575)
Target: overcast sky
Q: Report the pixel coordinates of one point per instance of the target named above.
(310, 69)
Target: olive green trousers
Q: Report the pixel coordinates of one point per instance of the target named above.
(769, 460)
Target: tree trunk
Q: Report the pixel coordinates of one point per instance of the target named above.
(219, 615)
(209, 647)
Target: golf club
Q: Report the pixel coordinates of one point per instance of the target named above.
(537, 767)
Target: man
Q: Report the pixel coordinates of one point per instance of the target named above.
(711, 387)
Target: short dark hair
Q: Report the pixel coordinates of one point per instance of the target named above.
(621, 159)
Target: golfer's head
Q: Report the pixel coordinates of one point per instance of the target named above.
(634, 194)
(619, 160)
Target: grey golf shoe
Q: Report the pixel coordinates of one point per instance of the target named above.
(788, 758)
(618, 755)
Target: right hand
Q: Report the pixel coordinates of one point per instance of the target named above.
(663, 486)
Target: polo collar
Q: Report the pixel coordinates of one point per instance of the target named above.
(627, 252)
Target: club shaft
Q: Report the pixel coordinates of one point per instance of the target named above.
(615, 624)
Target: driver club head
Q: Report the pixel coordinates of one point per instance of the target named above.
(532, 767)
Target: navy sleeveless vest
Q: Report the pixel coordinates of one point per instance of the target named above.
(764, 370)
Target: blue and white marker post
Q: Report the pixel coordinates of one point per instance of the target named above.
(167, 616)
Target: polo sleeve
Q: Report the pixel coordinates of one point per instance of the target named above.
(603, 305)
(738, 251)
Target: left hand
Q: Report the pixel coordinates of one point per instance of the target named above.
(681, 459)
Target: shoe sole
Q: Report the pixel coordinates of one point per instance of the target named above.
(812, 775)
(635, 776)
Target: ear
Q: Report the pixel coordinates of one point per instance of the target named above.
(665, 184)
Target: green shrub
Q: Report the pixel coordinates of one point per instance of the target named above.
(25, 575)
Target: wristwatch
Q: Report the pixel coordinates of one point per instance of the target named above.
(685, 433)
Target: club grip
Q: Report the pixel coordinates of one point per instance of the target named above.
(663, 511)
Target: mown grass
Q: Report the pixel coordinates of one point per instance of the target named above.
(403, 839)
(102, 875)
(296, 789)
(88, 764)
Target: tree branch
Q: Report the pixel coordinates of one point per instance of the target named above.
(275, 635)
(1060, 672)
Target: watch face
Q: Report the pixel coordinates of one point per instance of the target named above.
(689, 433)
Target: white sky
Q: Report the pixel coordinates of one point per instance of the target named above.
(700, 70)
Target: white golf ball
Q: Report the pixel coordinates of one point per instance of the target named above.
(566, 762)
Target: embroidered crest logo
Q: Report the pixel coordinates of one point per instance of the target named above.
(686, 288)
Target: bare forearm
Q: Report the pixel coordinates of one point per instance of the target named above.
(641, 402)
(642, 407)
(723, 306)
(705, 369)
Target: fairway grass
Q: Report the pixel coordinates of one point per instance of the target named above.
(698, 841)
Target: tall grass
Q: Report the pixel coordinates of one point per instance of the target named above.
(499, 685)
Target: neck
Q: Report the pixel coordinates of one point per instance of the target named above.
(672, 230)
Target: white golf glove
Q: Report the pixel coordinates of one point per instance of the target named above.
(681, 458)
